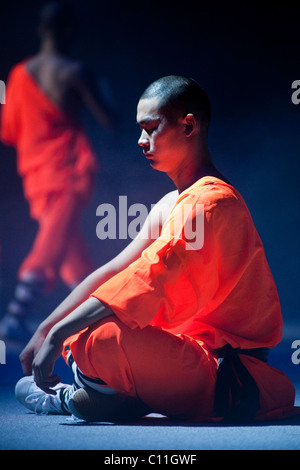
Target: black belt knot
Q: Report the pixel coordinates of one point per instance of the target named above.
(236, 395)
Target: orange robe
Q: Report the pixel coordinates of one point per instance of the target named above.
(57, 164)
(177, 304)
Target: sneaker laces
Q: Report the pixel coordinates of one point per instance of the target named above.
(44, 401)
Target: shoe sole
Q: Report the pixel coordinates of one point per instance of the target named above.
(89, 405)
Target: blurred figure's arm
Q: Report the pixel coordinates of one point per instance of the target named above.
(93, 100)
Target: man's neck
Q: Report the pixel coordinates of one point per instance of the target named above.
(193, 169)
(48, 47)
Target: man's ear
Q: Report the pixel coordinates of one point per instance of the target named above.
(189, 124)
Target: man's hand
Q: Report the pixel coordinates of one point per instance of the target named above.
(30, 351)
(43, 350)
(43, 364)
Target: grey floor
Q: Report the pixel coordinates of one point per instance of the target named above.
(23, 430)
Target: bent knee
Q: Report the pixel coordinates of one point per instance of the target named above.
(108, 335)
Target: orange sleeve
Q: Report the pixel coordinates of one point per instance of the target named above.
(221, 292)
(161, 282)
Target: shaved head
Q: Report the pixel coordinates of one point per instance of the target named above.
(178, 96)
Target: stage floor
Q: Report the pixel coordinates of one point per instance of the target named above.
(21, 429)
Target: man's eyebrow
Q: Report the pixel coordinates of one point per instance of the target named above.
(147, 120)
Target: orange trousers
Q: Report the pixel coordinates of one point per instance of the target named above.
(173, 375)
(59, 250)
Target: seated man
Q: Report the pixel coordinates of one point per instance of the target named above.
(147, 330)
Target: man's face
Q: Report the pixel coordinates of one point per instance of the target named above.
(163, 142)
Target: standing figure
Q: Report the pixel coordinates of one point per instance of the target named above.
(41, 119)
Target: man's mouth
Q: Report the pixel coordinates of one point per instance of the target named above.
(148, 154)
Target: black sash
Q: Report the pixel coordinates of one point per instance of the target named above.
(237, 395)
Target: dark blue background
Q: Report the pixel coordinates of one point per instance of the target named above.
(244, 55)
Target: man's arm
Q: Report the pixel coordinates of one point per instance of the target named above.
(152, 226)
(89, 312)
(81, 293)
(91, 98)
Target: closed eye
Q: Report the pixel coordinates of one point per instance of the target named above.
(149, 130)
(149, 125)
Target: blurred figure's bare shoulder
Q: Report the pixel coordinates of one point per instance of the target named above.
(58, 78)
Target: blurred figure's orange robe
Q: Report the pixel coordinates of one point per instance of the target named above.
(57, 165)
(176, 305)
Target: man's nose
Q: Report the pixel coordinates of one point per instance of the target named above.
(143, 140)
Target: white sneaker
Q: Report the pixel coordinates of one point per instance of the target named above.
(33, 398)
